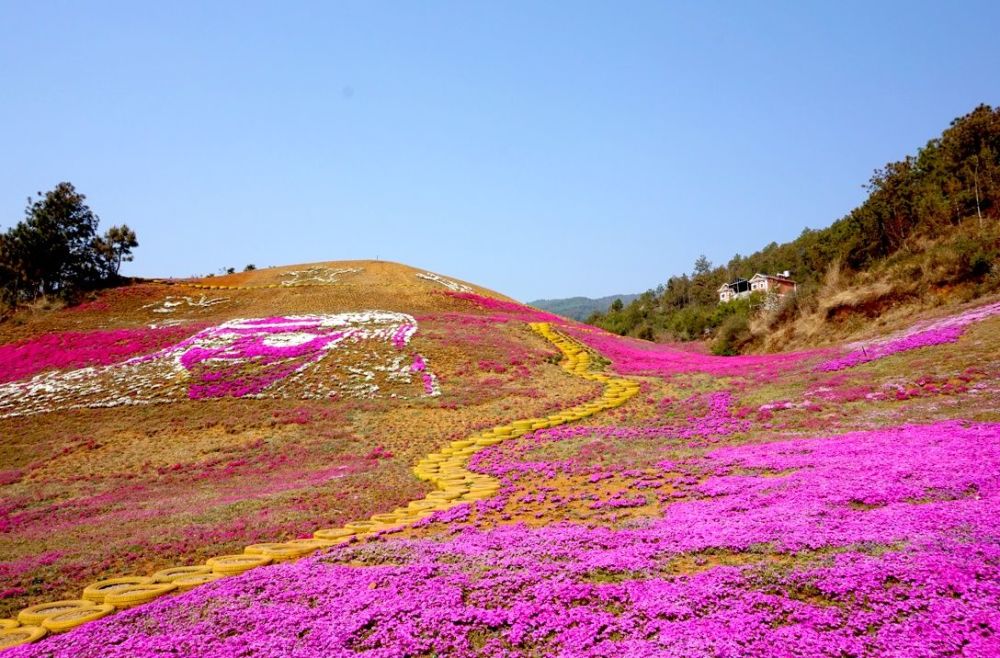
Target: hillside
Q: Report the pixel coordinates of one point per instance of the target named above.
(579, 308)
(364, 458)
(928, 234)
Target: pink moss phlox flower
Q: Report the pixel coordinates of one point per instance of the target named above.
(518, 311)
(635, 357)
(896, 529)
(401, 337)
(74, 349)
(263, 355)
(922, 334)
(877, 351)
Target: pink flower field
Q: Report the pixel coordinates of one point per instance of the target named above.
(839, 502)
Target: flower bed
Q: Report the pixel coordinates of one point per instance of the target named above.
(857, 562)
(634, 357)
(447, 283)
(316, 276)
(272, 357)
(171, 304)
(78, 349)
(924, 334)
(509, 310)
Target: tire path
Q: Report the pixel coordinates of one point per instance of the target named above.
(446, 469)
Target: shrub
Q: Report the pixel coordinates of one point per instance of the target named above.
(732, 336)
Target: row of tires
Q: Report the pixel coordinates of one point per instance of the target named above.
(105, 596)
(446, 469)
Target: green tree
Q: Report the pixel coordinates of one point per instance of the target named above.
(702, 266)
(55, 249)
(115, 247)
(53, 246)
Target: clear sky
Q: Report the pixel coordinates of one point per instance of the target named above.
(543, 149)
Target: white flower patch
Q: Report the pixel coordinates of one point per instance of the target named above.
(308, 356)
(316, 276)
(447, 283)
(171, 304)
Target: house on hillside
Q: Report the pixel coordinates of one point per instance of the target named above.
(773, 286)
(734, 290)
(778, 284)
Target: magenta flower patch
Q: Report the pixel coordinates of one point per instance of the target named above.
(887, 542)
(77, 349)
(924, 334)
(241, 358)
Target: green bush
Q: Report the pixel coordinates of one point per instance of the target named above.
(732, 336)
(959, 260)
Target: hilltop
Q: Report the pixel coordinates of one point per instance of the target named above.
(365, 458)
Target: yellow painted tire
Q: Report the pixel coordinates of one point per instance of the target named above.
(173, 573)
(97, 592)
(185, 583)
(313, 544)
(65, 621)
(276, 551)
(12, 637)
(360, 526)
(443, 495)
(230, 565)
(8, 623)
(333, 534)
(36, 614)
(138, 594)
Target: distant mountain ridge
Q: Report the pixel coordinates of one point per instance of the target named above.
(580, 308)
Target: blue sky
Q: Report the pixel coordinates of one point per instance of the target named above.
(542, 149)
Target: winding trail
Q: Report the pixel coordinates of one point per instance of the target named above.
(446, 469)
